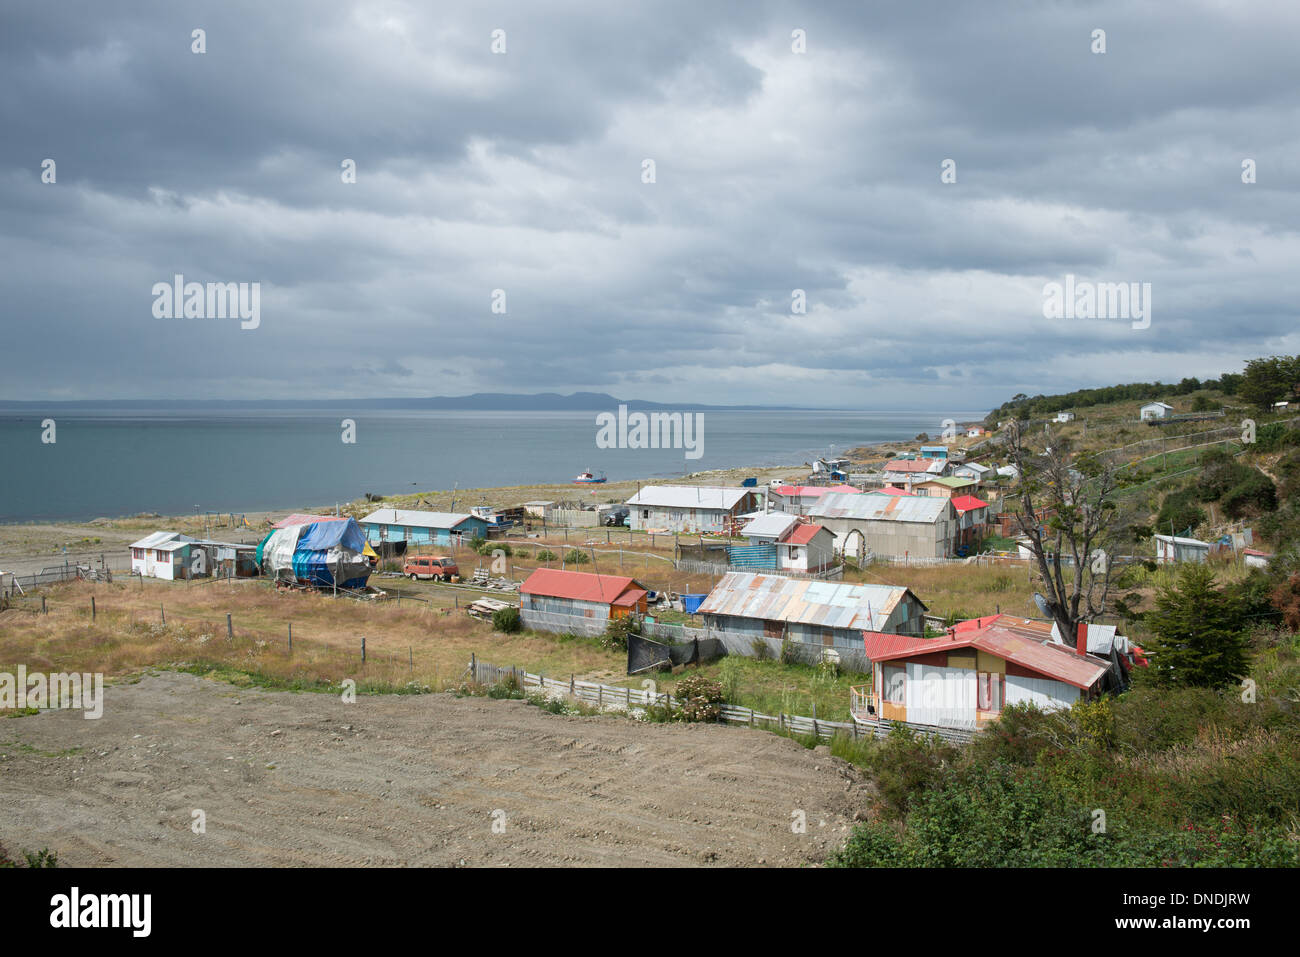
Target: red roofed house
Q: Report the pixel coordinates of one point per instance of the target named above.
(806, 548)
(550, 591)
(966, 678)
(972, 518)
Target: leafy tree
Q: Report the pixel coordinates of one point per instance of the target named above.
(1270, 380)
(1198, 635)
(1253, 495)
(1178, 513)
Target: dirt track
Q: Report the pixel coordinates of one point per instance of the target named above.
(303, 779)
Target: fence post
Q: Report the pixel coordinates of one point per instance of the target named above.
(92, 607)
(473, 667)
(410, 657)
(44, 610)
(363, 649)
(162, 610)
(230, 628)
(600, 695)
(571, 683)
(290, 637)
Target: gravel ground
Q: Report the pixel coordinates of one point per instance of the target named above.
(303, 779)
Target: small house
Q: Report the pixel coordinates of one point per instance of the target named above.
(163, 555)
(904, 473)
(1064, 417)
(1173, 548)
(826, 614)
(689, 508)
(422, 528)
(972, 518)
(889, 526)
(556, 592)
(966, 678)
(1155, 410)
(932, 452)
(797, 499)
(972, 470)
(945, 486)
(1254, 558)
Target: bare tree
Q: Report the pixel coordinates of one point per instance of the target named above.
(1066, 511)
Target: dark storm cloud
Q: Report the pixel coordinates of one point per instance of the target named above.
(522, 172)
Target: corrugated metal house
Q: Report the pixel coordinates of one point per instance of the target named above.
(582, 594)
(829, 614)
(934, 452)
(689, 508)
(786, 543)
(893, 526)
(797, 499)
(966, 678)
(1174, 548)
(422, 528)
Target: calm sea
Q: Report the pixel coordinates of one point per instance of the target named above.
(115, 463)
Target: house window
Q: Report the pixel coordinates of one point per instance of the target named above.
(988, 695)
(160, 556)
(892, 680)
(645, 513)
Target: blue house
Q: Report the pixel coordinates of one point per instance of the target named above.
(934, 451)
(422, 528)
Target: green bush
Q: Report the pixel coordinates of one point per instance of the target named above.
(506, 620)
(616, 632)
(699, 698)
(575, 556)
(1254, 495)
(545, 555)
(1180, 512)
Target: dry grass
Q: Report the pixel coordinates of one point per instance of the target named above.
(411, 643)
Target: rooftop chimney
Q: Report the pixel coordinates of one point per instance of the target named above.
(1081, 643)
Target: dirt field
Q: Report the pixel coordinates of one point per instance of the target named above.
(303, 779)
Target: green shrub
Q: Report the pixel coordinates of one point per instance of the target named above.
(545, 555)
(506, 620)
(762, 651)
(1254, 495)
(575, 556)
(699, 698)
(617, 630)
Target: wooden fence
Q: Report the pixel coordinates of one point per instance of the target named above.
(612, 697)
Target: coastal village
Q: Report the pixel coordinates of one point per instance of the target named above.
(806, 567)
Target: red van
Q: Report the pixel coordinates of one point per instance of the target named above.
(423, 566)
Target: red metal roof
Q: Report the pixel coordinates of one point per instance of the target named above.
(966, 503)
(583, 586)
(1052, 660)
(299, 518)
(880, 645)
(801, 534)
(890, 490)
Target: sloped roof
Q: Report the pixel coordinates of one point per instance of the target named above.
(582, 586)
(688, 496)
(967, 503)
(773, 525)
(802, 534)
(894, 508)
(162, 541)
(950, 481)
(890, 490)
(404, 516)
(803, 601)
(1052, 660)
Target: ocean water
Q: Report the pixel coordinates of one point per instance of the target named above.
(122, 462)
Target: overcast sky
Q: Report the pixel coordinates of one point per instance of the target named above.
(523, 171)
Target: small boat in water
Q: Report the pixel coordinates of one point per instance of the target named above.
(587, 478)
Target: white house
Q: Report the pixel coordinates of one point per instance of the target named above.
(1255, 558)
(966, 678)
(1155, 410)
(689, 508)
(1064, 417)
(162, 555)
(1009, 471)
